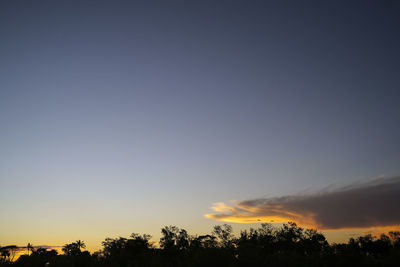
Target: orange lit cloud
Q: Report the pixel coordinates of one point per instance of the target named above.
(241, 213)
(377, 231)
(365, 205)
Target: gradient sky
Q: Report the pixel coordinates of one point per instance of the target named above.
(125, 116)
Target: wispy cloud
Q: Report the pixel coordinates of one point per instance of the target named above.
(362, 205)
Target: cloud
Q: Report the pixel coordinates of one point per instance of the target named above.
(23, 248)
(362, 205)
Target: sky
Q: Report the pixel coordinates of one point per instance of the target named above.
(120, 117)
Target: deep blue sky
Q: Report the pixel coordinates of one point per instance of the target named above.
(139, 114)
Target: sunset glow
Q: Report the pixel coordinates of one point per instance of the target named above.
(125, 117)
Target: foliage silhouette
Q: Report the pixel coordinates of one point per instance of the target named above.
(7, 253)
(73, 249)
(289, 245)
(29, 247)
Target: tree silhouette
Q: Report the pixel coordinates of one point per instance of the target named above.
(80, 244)
(288, 245)
(224, 235)
(7, 253)
(169, 237)
(29, 247)
(73, 249)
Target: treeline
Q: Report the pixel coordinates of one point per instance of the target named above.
(289, 245)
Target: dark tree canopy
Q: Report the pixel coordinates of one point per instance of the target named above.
(289, 245)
